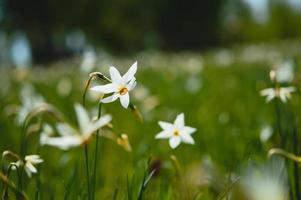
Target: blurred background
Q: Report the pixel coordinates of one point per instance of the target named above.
(42, 32)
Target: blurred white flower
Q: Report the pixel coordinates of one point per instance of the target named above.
(64, 87)
(70, 137)
(89, 60)
(268, 182)
(30, 100)
(176, 132)
(120, 86)
(285, 71)
(283, 93)
(30, 161)
(265, 133)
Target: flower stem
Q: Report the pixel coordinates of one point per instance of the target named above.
(96, 154)
(87, 171)
(278, 123)
(295, 169)
(93, 179)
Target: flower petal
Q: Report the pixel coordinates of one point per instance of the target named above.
(115, 75)
(104, 120)
(179, 122)
(166, 125)
(125, 100)
(30, 167)
(106, 89)
(132, 84)
(34, 159)
(163, 134)
(129, 75)
(82, 117)
(64, 143)
(65, 129)
(188, 130)
(28, 172)
(187, 138)
(174, 141)
(110, 99)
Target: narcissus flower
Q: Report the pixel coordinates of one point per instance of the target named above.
(283, 93)
(176, 132)
(119, 87)
(29, 164)
(70, 137)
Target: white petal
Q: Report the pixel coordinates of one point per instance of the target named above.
(110, 99)
(132, 84)
(28, 172)
(65, 129)
(267, 92)
(166, 125)
(63, 143)
(30, 167)
(188, 130)
(164, 134)
(179, 122)
(34, 159)
(174, 141)
(290, 89)
(31, 157)
(187, 138)
(82, 117)
(129, 75)
(125, 100)
(282, 97)
(106, 89)
(104, 120)
(115, 75)
(270, 97)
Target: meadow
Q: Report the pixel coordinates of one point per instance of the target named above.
(219, 93)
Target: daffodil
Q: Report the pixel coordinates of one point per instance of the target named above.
(29, 164)
(70, 137)
(283, 93)
(176, 132)
(119, 87)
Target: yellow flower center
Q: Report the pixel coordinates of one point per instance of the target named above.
(176, 132)
(123, 90)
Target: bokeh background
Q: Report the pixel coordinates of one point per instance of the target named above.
(45, 31)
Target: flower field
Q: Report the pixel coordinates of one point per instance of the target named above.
(224, 124)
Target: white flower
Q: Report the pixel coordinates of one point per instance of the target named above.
(30, 161)
(69, 137)
(30, 100)
(89, 60)
(268, 182)
(283, 93)
(285, 71)
(176, 132)
(265, 133)
(120, 86)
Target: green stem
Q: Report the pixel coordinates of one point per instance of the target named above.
(278, 124)
(5, 187)
(96, 154)
(87, 171)
(296, 171)
(103, 78)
